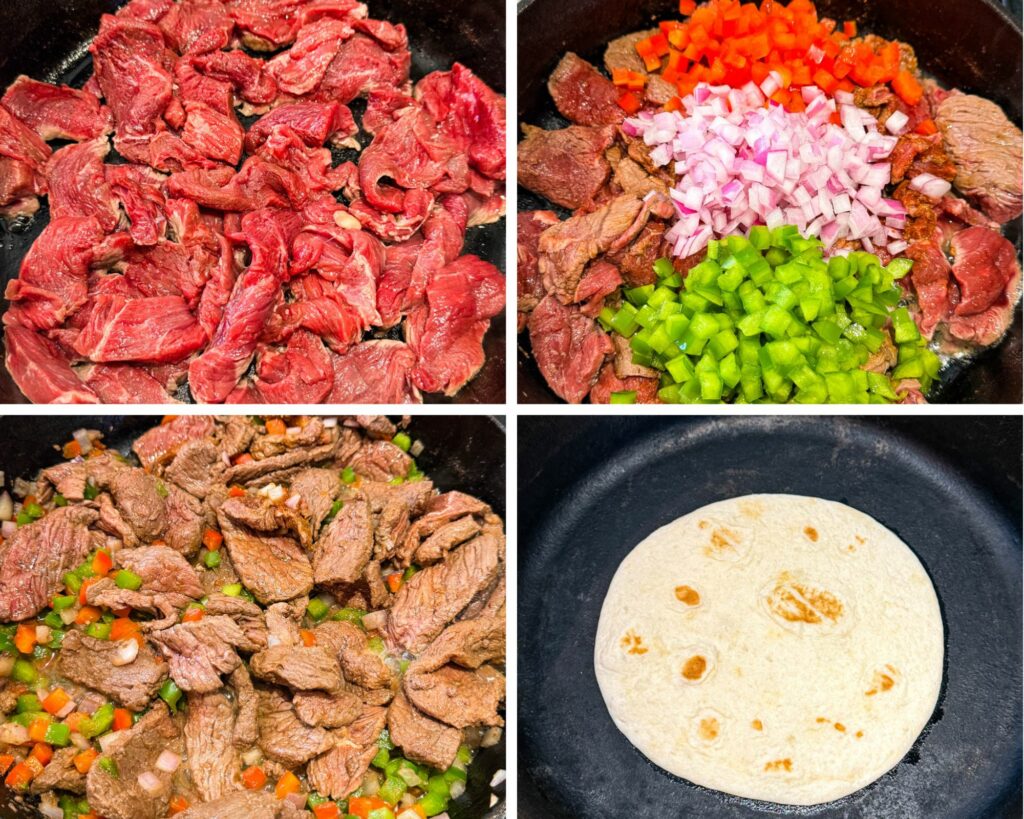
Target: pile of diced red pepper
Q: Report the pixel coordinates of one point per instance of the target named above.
(733, 43)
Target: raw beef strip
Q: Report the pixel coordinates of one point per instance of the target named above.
(447, 332)
(300, 69)
(131, 62)
(382, 107)
(22, 157)
(216, 371)
(365, 63)
(20, 142)
(197, 26)
(267, 24)
(139, 189)
(566, 166)
(194, 86)
(212, 133)
(530, 283)
(52, 282)
(124, 384)
(313, 122)
(78, 186)
(582, 94)
(158, 330)
(247, 74)
(42, 371)
(57, 111)
(569, 348)
(217, 291)
(374, 372)
(299, 374)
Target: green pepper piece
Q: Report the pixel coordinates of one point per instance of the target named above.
(28, 703)
(317, 609)
(108, 766)
(24, 671)
(402, 441)
(348, 475)
(171, 694)
(99, 723)
(392, 790)
(58, 734)
(91, 491)
(231, 589)
(59, 500)
(623, 397)
(125, 579)
(101, 631)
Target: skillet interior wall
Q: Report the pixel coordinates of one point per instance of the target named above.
(973, 45)
(46, 39)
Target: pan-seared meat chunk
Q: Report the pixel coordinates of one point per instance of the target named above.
(248, 616)
(133, 752)
(213, 762)
(392, 507)
(323, 710)
(379, 427)
(90, 662)
(255, 470)
(246, 729)
(105, 594)
(469, 643)
(458, 697)
(359, 663)
(60, 773)
(310, 435)
(241, 805)
(283, 624)
(302, 668)
(434, 597)
(381, 461)
(318, 488)
(569, 348)
(260, 515)
(67, 478)
(160, 444)
(340, 771)
(566, 166)
(138, 496)
(272, 568)
(421, 738)
(582, 94)
(200, 651)
(186, 521)
(446, 538)
(285, 738)
(36, 557)
(345, 546)
(440, 510)
(233, 434)
(162, 570)
(196, 466)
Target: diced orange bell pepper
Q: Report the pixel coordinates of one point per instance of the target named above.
(907, 87)
(236, 491)
(850, 28)
(307, 636)
(629, 102)
(72, 449)
(124, 629)
(212, 539)
(288, 783)
(926, 127)
(6, 760)
(394, 582)
(102, 563)
(326, 810)
(178, 804)
(25, 638)
(19, 777)
(87, 615)
(192, 615)
(362, 805)
(253, 778)
(43, 752)
(74, 720)
(83, 761)
(275, 426)
(122, 719)
(55, 701)
(37, 729)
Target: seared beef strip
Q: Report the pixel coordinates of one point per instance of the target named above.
(200, 651)
(302, 668)
(421, 738)
(283, 736)
(162, 570)
(248, 616)
(456, 696)
(246, 729)
(318, 488)
(196, 467)
(469, 643)
(323, 710)
(89, 661)
(134, 751)
(272, 568)
(340, 771)
(345, 546)
(60, 773)
(244, 805)
(213, 762)
(361, 666)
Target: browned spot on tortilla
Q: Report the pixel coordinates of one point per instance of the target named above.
(779, 765)
(840, 727)
(752, 509)
(694, 668)
(821, 719)
(756, 725)
(859, 734)
(811, 533)
(723, 538)
(687, 595)
(882, 682)
(801, 602)
(859, 539)
(703, 524)
(633, 643)
(708, 728)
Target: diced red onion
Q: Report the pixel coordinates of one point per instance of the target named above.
(897, 122)
(8, 528)
(330, 423)
(80, 741)
(897, 247)
(297, 800)
(68, 616)
(6, 665)
(107, 740)
(6, 507)
(739, 164)
(293, 501)
(168, 761)
(81, 436)
(151, 784)
(13, 734)
(50, 809)
(930, 185)
(42, 634)
(375, 620)
(69, 706)
(127, 651)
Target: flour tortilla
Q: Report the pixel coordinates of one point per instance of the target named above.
(775, 647)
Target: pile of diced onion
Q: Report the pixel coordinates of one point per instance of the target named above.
(741, 164)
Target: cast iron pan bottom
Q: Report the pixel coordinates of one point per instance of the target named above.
(967, 761)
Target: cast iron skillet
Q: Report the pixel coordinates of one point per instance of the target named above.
(968, 44)
(590, 489)
(46, 39)
(467, 454)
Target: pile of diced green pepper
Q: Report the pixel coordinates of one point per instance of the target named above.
(767, 319)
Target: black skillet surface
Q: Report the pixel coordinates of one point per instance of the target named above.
(590, 489)
(46, 39)
(467, 453)
(968, 44)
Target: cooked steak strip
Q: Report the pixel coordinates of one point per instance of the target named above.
(301, 668)
(345, 546)
(60, 774)
(322, 710)
(283, 737)
(89, 661)
(272, 568)
(213, 762)
(456, 696)
(340, 771)
(200, 651)
(359, 663)
(421, 738)
(246, 729)
(469, 643)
